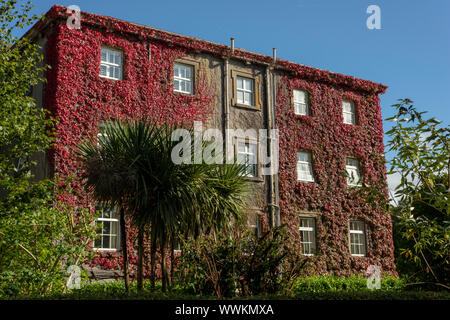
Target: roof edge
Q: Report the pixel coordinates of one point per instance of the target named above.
(58, 12)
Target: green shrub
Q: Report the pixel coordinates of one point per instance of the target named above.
(115, 290)
(325, 283)
(243, 265)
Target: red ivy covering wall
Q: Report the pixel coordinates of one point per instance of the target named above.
(330, 141)
(81, 99)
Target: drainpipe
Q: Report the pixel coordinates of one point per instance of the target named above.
(226, 98)
(270, 196)
(276, 191)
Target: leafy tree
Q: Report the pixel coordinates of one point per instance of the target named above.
(38, 235)
(422, 215)
(23, 126)
(131, 166)
(39, 239)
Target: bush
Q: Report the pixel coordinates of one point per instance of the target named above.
(115, 290)
(323, 283)
(39, 239)
(244, 265)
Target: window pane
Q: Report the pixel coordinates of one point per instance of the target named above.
(304, 156)
(357, 238)
(103, 70)
(188, 72)
(239, 83)
(307, 235)
(299, 96)
(240, 97)
(247, 84)
(247, 98)
(106, 243)
(348, 106)
(103, 54)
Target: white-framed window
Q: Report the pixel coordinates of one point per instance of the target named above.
(111, 63)
(308, 235)
(301, 105)
(183, 78)
(353, 173)
(245, 91)
(108, 230)
(349, 111)
(304, 166)
(357, 238)
(247, 153)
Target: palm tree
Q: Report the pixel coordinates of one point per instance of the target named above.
(168, 199)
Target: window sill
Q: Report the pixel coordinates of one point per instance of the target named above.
(307, 181)
(358, 256)
(109, 78)
(303, 116)
(254, 179)
(186, 94)
(247, 107)
(105, 250)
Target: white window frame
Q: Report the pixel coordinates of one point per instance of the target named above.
(353, 180)
(244, 90)
(117, 236)
(186, 80)
(111, 65)
(298, 104)
(247, 153)
(351, 113)
(309, 163)
(361, 243)
(310, 229)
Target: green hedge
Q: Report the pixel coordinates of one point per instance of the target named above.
(322, 283)
(307, 288)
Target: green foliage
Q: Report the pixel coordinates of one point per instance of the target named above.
(23, 126)
(114, 290)
(241, 264)
(39, 239)
(131, 166)
(325, 283)
(422, 215)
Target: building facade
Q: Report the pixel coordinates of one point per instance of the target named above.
(329, 125)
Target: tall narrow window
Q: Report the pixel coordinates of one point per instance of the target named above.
(183, 77)
(301, 105)
(353, 173)
(357, 238)
(349, 112)
(108, 230)
(245, 91)
(308, 235)
(111, 64)
(247, 153)
(304, 166)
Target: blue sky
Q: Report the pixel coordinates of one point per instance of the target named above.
(410, 54)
